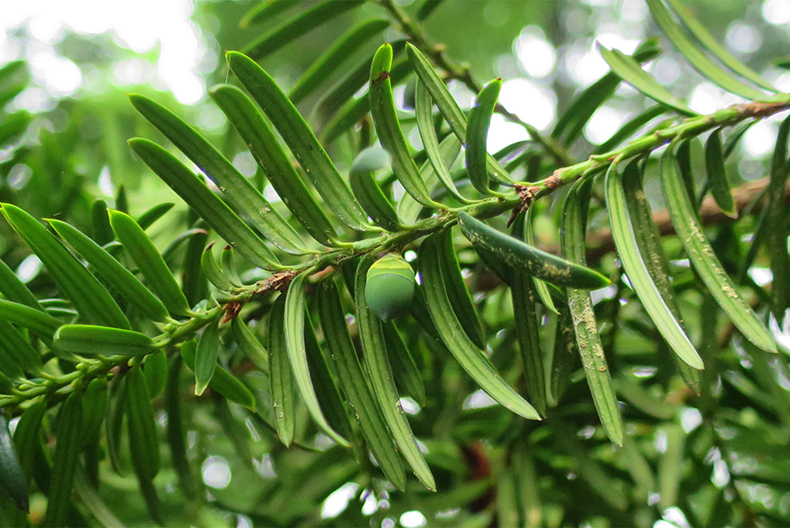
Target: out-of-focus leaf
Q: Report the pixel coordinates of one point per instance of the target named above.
(335, 56)
(669, 468)
(265, 11)
(12, 478)
(15, 290)
(67, 452)
(631, 72)
(16, 349)
(156, 212)
(176, 436)
(294, 28)
(696, 56)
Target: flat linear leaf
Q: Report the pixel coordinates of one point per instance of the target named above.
(300, 139)
(477, 133)
(249, 344)
(207, 204)
(91, 340)
(249, 122)
(564, 356)
(776, 222)
(213, 272)
(638, 275)
(424, 112)
(149, 262)
(585, 326)
(39, 322)
(176, 436)
(355, 110)
(265, 11)
(525, 317)
(540, 286)
(530, 260)
(447, 105)
(206, 356)
(295, 306)
(15, 290)
(67, 452)
(12, 478)
(91, 299)
(367, 190)
(112, 271)
(696, 56)
(457, 293)
(294, 28)
(237, 189)
(382, 108)
(407, 375)
(454, 336)
(222, 381)
(354, 383)
(281, 380)
(374, 352)
(717, 175)
(15, 347)
(331, 60)
(648, 240)
(631, 72)
(586, 103)
(702, 257)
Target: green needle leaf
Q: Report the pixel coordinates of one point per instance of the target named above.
(294, 28)
(638, 275)
(222, 381)
(12, 478)
(206, 356)
(251, 125)
(91, 299)
(331, 60)
(344, 364)
(240, 193)
(585, 326)
(530, 260)
(149, 262)
(425, 124)
(112, 271)
(281, 381)
(295, 306)
(143, 440)
(382, 107)
(92, 340)
(447, 104)
(380, 374)
(696, 56)
(472, 359)
(702, 257)
(631, 72)
(67, 453)
(249, 344)
(39, 322)
(207, 204)
(300, 139)
(540, 286)
(717, 176)
(367, 190)
(477, 134)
